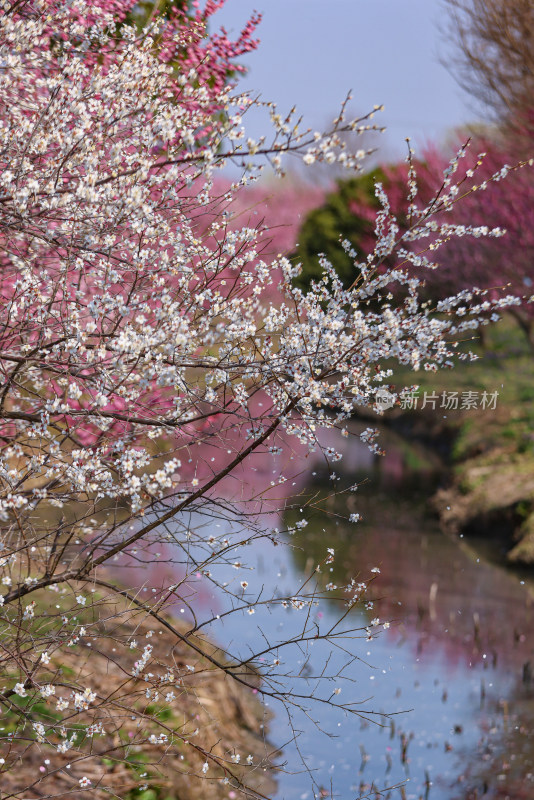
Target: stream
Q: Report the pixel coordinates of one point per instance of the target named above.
(446, 692)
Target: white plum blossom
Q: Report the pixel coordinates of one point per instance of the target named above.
(82, 701)
(165, 381)
(39, 729)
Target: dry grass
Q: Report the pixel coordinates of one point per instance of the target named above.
(211, 719)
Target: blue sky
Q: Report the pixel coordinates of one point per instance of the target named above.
(387, 51)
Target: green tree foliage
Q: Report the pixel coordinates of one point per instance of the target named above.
(142, 12)
(348, 213)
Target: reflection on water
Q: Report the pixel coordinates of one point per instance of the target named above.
(454, 672)
(459, 653)
(455, 669)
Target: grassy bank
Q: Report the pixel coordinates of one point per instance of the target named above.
(491, 449)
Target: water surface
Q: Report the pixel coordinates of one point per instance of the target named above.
(452, 675)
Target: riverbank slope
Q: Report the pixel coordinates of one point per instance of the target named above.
(480, 417)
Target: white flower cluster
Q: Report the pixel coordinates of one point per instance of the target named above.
(143, 661)
(150, 350)
(141, 322)
(83, 700)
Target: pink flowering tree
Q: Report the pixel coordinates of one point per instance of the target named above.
(468, 258)
(158, 367)
(501, 262)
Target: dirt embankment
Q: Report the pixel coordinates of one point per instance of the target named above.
(493, 496)
(489, 488)
(157, 731)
